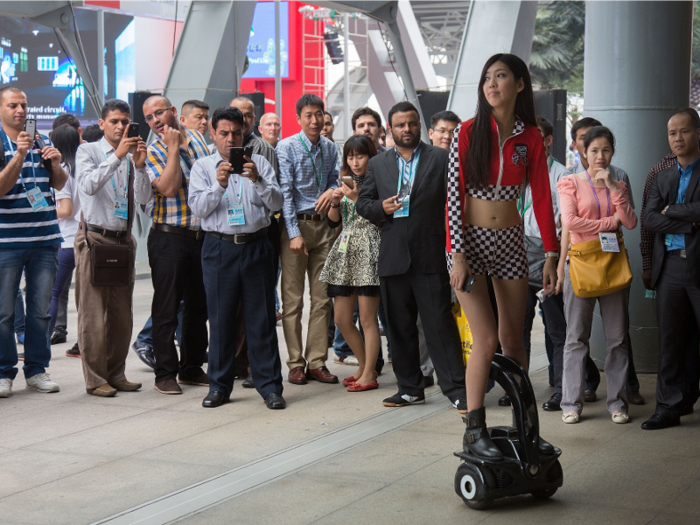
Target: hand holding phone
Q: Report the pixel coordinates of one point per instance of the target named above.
(468, 283)
(133, 130)
(405, 190)
(347, 180)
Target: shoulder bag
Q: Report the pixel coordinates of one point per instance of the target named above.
(595, 272)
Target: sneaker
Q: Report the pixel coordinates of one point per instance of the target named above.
(620, 417)
(145, 353)
(570, 417)
(346, 360)
(42, 383)
(402, 400)
(461, 405)
(20, 356)
(74, 351)
(5, 387)
(20, 339)
(58, 338)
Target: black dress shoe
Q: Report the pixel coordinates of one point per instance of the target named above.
(58, 338)
(248, 382)
(145, 354)
(659, 421)
(554, 403)
(504, 401)
(429, 380)
(215, 399)
(275, 401)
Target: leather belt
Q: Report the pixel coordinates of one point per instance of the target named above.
(105, 232)
(194, 234)
(680, 253)
(239, 238)
(305, 217)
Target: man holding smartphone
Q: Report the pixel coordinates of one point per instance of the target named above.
(29, 243)
(237, 260)
(175, 250)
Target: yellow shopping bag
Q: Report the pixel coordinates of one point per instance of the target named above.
(465, 333)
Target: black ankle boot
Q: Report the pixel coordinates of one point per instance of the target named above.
(543, 446)
(476, 438)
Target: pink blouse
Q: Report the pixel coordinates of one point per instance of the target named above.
(579, 209)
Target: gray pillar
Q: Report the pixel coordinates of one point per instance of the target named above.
(632, 84)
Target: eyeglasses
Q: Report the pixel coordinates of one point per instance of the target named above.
(157, 114)
(444, 131)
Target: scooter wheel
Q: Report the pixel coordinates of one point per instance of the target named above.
(470, 486)
(544, 493)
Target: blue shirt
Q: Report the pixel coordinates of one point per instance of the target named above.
(20, 225)
(306, 170)
(676, 241)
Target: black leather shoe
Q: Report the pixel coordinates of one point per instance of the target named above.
(429, 380)
(215, 399)
(248, 382)
(504, 401)
(659, 421)
(145, 354)
(546, 449)
(58, 338)
(476, 438)
(275, 401)
(554, 403)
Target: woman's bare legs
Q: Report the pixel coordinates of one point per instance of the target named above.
(368, 320)
(344, 308)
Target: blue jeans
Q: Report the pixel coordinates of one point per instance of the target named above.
(66, 265)
(19, 313)
(39, 265)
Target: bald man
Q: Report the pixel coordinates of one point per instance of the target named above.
(270, 128)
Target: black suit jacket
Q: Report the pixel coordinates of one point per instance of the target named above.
(679, 218)
(418, 239)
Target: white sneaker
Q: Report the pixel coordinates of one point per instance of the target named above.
(42, 383)
(5, 387)
(346, 360)
(570, 417)
(620, 417)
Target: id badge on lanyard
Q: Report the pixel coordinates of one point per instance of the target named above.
(37, 199)
(234, 212)
(404, 189)
(608, 242)
(121, 208)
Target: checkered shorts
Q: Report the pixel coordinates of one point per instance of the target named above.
(498, 252)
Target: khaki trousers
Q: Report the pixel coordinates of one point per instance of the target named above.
(105, 318)
(318, 238)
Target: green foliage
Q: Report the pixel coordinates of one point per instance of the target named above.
(558, 44)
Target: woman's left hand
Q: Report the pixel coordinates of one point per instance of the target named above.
(350, 193)
(549, 275)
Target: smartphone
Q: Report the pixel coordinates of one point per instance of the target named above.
(133, 130)
(236, 159)
(405, 190)
(347, 180)
(468, 283)
(30, 127)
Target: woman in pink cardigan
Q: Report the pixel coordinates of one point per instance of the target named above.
(593, 203)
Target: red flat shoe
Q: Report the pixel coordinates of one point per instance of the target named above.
(357, 387)
(349, 381)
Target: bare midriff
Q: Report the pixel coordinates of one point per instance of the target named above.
(494, 215)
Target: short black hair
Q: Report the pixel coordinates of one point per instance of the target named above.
(598, 132)
(582, 123)
(365, 111)
(692, 113)
(92, 133)
(449, 116)
(194, 104)
(66, 119)
(546, 126)
(328, 113)
(10, 89)
(228, 113)
(309, 100)
(402, 107)
(115, 105)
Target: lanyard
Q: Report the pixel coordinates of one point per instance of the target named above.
(31, 157)
(346, 212)
(128, 172)
(239, 183)
(551, 161)
(411, 165)
(607, 191)
(317, 176)
(520, 205)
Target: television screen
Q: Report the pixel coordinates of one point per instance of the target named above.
(261, 43)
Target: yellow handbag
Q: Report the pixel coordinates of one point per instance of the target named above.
(465, 333)
(595, 272)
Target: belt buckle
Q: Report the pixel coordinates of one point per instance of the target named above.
(682, 254)
(236, 236)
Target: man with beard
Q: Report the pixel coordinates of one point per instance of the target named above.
(367, 121)
(405, 192)
(175, 250)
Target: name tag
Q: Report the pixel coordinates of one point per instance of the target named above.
(404, 209)
(608, 242)
(121, 208)
(36, 199)
(343, 246)
(235, 215)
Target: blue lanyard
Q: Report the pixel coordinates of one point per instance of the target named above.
(607, 191)
(412, 167)
(31, 157)
(239, 183)
(128, 172)
(318, 177)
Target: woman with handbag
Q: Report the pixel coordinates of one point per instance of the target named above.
(593, 206)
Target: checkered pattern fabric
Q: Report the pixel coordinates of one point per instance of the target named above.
(498, 252)
(454, 202)
(494, 193)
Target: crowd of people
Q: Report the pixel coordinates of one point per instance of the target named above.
(388, 230)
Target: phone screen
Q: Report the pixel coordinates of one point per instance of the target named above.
(405, 190)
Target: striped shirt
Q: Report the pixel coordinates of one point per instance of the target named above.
(174, 211)
(20, 225)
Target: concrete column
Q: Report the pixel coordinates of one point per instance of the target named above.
(633, 81)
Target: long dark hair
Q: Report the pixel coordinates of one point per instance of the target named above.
(356, 144)
(66, 140)
(479, 160)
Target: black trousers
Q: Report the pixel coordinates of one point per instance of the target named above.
(678, 316)
(241, 274)
(176, 271)
(404, 297)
